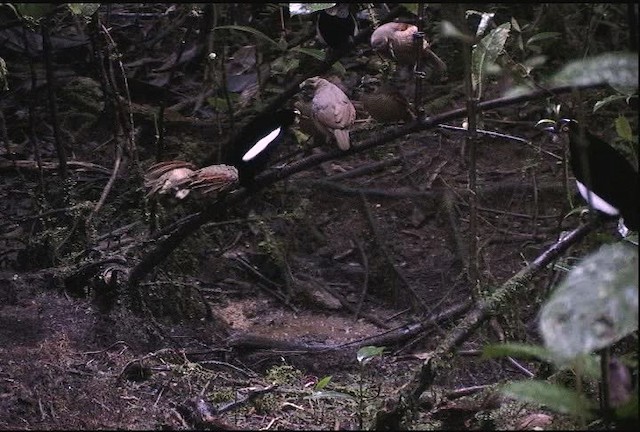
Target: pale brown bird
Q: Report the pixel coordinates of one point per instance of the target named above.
(385, 103)
(179, 178)
(395, 40)
(332, 111)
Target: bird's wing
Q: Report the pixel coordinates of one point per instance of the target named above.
(332, 108)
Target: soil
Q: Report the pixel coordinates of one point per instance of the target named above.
(258, 310)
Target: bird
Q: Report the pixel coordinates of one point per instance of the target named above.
(395, 40)
(608, 181)
(384, 103)
(179, 178)
(336, 27)
(251, 150)
(331, 110)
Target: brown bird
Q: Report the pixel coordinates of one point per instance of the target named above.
(179, 178)
(384, 103)
(395, 40)
(332, 111)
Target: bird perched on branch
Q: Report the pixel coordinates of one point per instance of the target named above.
(336, 27)
(604, 177)
(251, 150)
(395, 40)
(179, 178)
(332, 111)
(383, 102)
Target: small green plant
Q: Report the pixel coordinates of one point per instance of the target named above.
(593, 308)
(364, 356)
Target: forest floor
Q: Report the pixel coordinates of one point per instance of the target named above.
(241, 315)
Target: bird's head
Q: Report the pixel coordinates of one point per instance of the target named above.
(287, 117)
(368, 82)
(311, 83)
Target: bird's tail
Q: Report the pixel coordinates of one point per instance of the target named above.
(342, 138)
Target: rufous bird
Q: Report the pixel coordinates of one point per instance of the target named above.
(384, 102)
(395, 40)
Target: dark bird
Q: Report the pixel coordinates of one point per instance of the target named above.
(383, 102)
(395, 40)
(332, 111)
(336, 27)
(608, 177)
(251, 149)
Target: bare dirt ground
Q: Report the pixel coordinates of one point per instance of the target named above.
(241, 315)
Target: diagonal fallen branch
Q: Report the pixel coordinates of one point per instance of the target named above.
(487, 308)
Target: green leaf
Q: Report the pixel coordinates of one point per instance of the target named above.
(308, 8)
(519, 350)
(323, 382)
(542, 36)
(366, 353)
(595, 305)
(615, 69)
(84, 9)
(319, 55)
(629, 410)
(485, 53)
(315, 53)
(330, 395)
(251, 30)
(411, 7)
(608, 100)
(623, 128)
(34, 10)
(553, 396)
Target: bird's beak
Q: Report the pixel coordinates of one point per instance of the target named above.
(304, 84)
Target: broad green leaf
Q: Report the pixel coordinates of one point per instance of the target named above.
(623, 128)
(542, 36)
(323, 382)
(615, 69)
(308, 8)
(330, 395)
(596, 304)
(553, 396)
(485, 53)
(608, 100)
(251, 30)
(34, 10)
(366, 353)
(84, 9)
